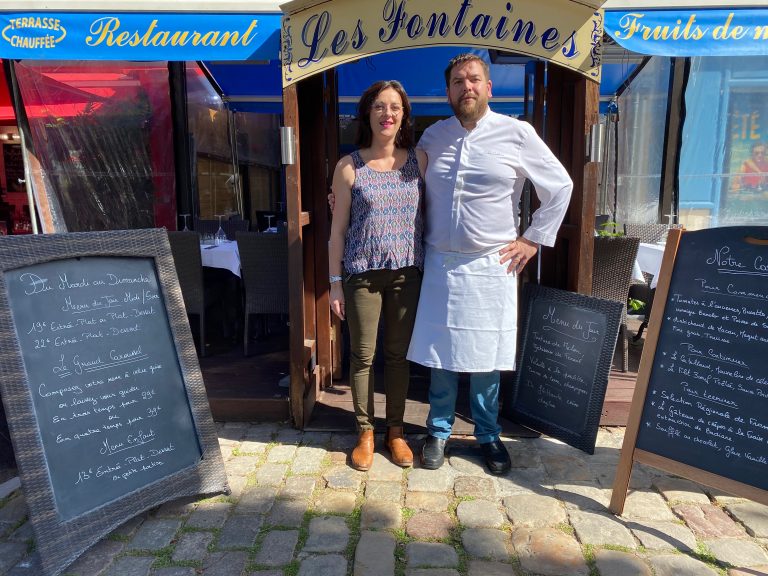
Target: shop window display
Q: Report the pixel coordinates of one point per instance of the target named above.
(723, 178)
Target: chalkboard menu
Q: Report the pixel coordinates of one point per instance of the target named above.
(107, 387)
(563, 363)
(102, 390)
(708, 390)
(701, 403)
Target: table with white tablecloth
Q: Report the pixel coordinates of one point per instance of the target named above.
(223, 291)
(648, 260)
(649, 257)
(224, 256)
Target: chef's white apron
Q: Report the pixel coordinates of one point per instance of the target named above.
(467, 315)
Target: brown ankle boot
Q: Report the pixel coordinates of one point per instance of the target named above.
(398, 447)
(362, 455)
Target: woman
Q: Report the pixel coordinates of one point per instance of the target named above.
(376, 256)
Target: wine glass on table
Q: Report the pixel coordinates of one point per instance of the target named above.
(220, 236)
(269, 222)
(186, 222)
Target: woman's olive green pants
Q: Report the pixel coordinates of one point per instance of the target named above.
(369, 296)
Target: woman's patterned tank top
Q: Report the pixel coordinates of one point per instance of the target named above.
(386, 221)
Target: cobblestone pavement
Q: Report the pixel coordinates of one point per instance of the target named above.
(298, 509)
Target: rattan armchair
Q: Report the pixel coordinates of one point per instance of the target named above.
(264, 266)
(230, 227)
(611, 276)
(185, 247)
(206, 227)
(233, 226)
(647, 233)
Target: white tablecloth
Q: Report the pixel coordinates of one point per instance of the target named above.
(649, 257)
(222, 256)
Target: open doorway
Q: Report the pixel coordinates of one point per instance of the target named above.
(327, 402)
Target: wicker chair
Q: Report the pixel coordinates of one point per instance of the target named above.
(648, 233)
(185, 247)
(232, 227)
(204, 227)
(264, 265)
(611, 276)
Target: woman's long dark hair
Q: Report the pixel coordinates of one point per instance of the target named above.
(404, 138)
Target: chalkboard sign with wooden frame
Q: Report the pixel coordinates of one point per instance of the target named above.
(563, 363)
(102, 390)
(700, 407)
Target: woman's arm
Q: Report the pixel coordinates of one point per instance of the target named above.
(421, 157)
(343, 179)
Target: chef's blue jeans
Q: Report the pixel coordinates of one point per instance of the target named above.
(483, 400)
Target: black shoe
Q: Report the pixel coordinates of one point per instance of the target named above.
(432, 453)
(496, 457)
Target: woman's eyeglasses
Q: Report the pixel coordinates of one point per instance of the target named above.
(380, 109)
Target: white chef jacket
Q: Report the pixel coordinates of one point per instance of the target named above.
(467, 315)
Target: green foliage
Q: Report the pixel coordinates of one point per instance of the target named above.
(292, 569)
(609, 229)
(565, 527)
(635, 306)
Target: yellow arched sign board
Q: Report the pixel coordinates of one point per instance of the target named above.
(318, 35)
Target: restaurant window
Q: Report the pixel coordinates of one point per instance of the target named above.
(258, 156)
(236, 155)
(724, 156)
(101, 154)
(14, 206)
(641, 118)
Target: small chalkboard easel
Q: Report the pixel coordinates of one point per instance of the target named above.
(567, 344)
(700, 408)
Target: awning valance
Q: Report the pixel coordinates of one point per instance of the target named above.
(691, 32)
(139, 36)
(148, 6)
(318, 35)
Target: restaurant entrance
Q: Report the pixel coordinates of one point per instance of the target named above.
(563, 106)
(563, 46)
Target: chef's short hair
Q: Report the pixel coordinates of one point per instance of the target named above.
(463, 59)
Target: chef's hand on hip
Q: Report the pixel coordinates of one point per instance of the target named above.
(518, 253)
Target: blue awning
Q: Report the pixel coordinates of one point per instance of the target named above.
(249, 87)
(139, 36)
(241, 51)
(687, 32)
